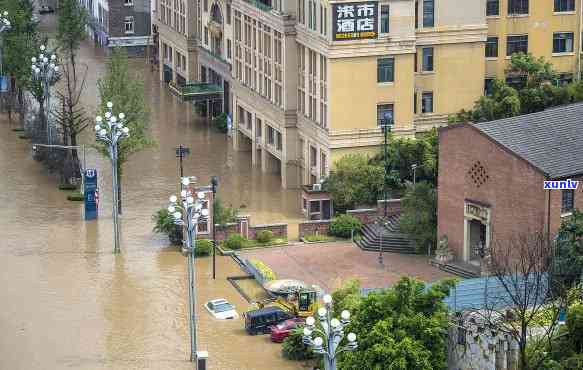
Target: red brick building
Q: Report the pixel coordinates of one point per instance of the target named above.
(491, 177)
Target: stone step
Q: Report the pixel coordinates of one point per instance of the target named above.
(386, 248)
(457, 269)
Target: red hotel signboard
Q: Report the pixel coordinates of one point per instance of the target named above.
(355, 21)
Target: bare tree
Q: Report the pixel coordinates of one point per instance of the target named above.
(522, 268)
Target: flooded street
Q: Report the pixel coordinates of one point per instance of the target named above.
(68, 302)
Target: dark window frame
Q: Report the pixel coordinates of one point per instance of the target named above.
(492, 47)
(492, 8)
(560, 42)
(513, 44)
(567, 200)
(386, 70)
(425, 96)
(518, 7)
(382, 109)
(562, 6)
(427, 59)
(385, 18)
(428, 13)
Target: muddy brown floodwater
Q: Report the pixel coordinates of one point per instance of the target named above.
(67, 302)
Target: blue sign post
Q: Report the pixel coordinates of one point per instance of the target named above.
(91, 197)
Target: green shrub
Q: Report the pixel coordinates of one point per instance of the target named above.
(264, 236)
(235, 241)
(164, 224)
(204, 247)
(575, 325)
(23, 136)
(265, 270)
(294, 348)
(18, 129)
(317, 238)
(220, 122)
(342, 226)
(76, 197)
(67, 187)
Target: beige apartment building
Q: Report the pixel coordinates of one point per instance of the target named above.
(551, 29)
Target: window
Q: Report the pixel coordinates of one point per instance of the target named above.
(492, 8)
(427, 102)
(228, 13)
(131, 2)
(488, 84)
(517, 7)
(323, 165)
(564, 79)
(129, 25)
(415, 103)
(384, 19)
(564, 6)
(313, 156)
(386, 70)
(270, 135)
(416, 14)
(206, 5)
(428, 17)
(492, 47)
(563, 42)
(516, 81)
(384, 114)
(229, 49)
(258, 128)
(427, 59)
(279, 140)
(206, 35)
(568, 201)
(516, 44)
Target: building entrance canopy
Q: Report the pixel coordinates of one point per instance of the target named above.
(197, 92)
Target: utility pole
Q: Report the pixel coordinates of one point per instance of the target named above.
(387, 124)
(181, 152)
(214, 184)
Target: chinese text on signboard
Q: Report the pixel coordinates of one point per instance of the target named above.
(355, 21)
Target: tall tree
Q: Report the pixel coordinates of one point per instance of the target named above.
(71, 31)
(126, 91)
(419, 214)
(536, 88)
(20, 44)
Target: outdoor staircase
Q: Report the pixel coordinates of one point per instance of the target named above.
(389, 237)
(461, 269)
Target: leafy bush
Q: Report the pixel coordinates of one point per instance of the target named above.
(342, 226)
(264, 236)
(164, 224)
(575, 325)
(220, 122)
(294, 348)
(204, 247)
(317, 238)
(235, 241)
(419, 215)
(223, 215)
(76, 197)
(265, 270)
(67, 187)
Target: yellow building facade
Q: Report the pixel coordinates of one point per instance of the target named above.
(308, 81)
(551, 29)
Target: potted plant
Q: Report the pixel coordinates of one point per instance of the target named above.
(164, 223)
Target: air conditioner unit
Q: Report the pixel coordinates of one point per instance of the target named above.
(317, 187)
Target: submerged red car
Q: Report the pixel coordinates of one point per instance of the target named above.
(280, 331)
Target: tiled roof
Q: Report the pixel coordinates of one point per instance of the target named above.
(551, 140)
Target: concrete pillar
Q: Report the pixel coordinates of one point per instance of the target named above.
(264, 158)
(501, 348)
(160, 59)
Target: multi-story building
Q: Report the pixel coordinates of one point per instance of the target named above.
(124, 23)
(308, 81)
(551, 29)
(175, 22)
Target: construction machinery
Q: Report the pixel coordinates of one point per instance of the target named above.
(301, 303)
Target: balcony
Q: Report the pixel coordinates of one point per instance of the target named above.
(196, 91)
(260, 5)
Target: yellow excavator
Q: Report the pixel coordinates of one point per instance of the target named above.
(301, 303)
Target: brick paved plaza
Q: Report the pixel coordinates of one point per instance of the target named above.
(330, 264)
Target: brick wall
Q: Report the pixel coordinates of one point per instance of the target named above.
(313, 227)
(278, 230)
(223, 232)
(393, 207)
(513, 189)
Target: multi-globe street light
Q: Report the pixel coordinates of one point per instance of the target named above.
(187, 212)
(45, 70)
(111, 132)
(386, 125)
(329, 334)
(4, 26)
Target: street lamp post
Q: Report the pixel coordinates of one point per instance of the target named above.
(414, 168)
(329, 334)
(188, 213)
(111, 133)
(45, 70)
(386, 124)
(214, 184)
